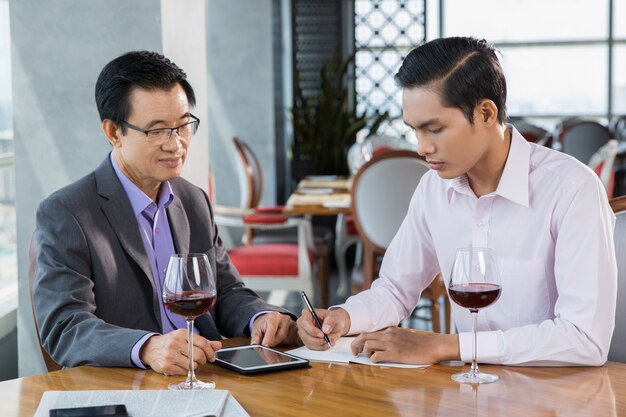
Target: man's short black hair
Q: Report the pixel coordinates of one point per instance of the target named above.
(463, 70)
(137, 69)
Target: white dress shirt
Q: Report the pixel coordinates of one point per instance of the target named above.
(551, 229)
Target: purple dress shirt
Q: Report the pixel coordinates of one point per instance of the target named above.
(157, 238)
(159, 243)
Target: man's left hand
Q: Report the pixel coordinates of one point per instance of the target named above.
(395, 344)
(271, 329)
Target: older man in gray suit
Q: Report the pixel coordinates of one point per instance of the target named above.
(105, 240)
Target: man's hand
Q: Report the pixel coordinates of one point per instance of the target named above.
(271, 329)
(167, 354)
(335, 323)
(395, 344)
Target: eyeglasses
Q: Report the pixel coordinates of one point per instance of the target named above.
(160, 136)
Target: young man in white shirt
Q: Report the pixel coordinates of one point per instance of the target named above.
(545, 215)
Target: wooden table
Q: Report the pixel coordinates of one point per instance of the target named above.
(302, 204)
(361, 390)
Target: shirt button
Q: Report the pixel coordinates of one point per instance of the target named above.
(480, 225)
(157, 230)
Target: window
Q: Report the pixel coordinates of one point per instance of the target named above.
(555, 54)
(8, 252)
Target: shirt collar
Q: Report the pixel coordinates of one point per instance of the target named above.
(513, 183)
(138, 199)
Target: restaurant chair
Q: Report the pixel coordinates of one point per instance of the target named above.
(617, 351)
(618, 128)
(581, 138)
(602, 163)
(251, 182)
(33, 251)
(379, 210)
(273, 266)
(530, 132)
(346, 234)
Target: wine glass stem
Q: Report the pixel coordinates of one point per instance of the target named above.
(474, 368)
(191, 375)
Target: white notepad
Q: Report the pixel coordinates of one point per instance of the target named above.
(341, 353)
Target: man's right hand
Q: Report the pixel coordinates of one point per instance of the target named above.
(167, 354)
(335, 323)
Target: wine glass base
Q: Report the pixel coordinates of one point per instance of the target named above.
(477, 378)
(197, 385)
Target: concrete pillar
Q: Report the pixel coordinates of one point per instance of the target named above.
(184, 42)
(240, 92)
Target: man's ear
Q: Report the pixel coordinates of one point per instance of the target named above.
(111, 131)
(486, 112)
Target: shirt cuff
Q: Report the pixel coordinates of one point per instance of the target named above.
(251, 324)
(488, 346)
(357, 311)
(134, 353)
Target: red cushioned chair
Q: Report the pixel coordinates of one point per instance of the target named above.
(272, 266)
(252, 190)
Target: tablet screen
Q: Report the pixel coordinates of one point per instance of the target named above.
(256, 357)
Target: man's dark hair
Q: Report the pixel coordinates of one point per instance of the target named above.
(462, 70)
(138, 69)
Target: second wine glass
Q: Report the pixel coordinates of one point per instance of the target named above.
(474, 284)
(189, 290)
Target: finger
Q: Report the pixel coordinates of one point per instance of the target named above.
(307, 323)
(175, 363)
(208, 352)
(306, 327)
(310, 341)
(271, 327)
(282, 331)
(382, 356)
(257, 330)
(372, 346)
(199, 356)
(358, 342)
(215, 346)
(331, 322)
(357, 345)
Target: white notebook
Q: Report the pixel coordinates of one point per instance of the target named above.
(342, 353)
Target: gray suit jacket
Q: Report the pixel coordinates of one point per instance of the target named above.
(94, 294)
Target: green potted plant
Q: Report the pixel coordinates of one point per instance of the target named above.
(325, 126)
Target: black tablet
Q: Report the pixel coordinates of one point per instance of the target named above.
(255, 359)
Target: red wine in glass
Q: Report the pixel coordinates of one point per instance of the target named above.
(474, 284)
(475, 296)
(190, 304)
(189, 291)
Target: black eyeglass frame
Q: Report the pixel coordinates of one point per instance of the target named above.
(196, 121)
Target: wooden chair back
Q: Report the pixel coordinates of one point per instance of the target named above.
(253, 174)
(378, 210)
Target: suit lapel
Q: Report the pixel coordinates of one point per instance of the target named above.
(179, 223)
(120, 214)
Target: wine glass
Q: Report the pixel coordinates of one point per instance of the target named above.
(474, 284)
(189, 291)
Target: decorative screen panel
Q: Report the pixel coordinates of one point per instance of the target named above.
(317, 40)
(385, 31)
